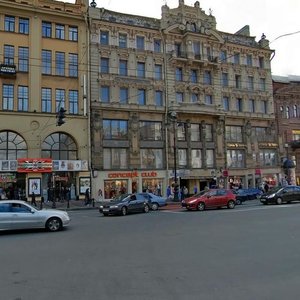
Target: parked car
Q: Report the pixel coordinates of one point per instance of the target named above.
(155, 201)
(129, 204)
(196, 196)
(280, 195)
(17, 214)
(215, 198)
(243, 195)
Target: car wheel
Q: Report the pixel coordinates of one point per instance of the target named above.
(154, 206)
(200, 206)
(54, 224)
(124, 211)
(146, 208)
(230, 204)
(279, 201)
(238, 202)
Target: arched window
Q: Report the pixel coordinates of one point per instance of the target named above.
(287, 112)
(59, 146)
(12, 146)
(295, 109)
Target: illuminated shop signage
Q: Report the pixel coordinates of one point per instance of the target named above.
(263, 145)
(7, 177)
(236, 145)
(7, 70)
(35, 165)
(132, 174)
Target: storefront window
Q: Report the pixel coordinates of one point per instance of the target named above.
(153, 185)
(113, 188)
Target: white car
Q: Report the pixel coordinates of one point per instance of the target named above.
(17, 214)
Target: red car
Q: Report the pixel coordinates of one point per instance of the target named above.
(210, 199)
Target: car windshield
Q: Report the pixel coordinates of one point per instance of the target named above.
(200, 193)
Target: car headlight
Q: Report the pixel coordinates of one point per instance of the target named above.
(114, 206)
(193, 201)
(271, 196)
(101, 206)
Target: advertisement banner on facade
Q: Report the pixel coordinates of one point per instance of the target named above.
(36, 165)
(8, 165)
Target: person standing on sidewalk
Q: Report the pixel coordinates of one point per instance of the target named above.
(33, 199)
(87, 197)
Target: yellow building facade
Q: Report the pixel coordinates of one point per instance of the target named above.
(43, 61)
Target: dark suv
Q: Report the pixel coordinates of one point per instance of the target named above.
(211, 199)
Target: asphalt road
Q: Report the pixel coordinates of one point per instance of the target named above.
(251, 252)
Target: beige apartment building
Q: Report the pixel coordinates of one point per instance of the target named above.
(179, 83)
(43, 66)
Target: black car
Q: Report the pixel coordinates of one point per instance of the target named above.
(243, 195)
(131, 203)
(280, 195)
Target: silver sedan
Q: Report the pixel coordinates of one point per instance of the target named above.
(17, 214)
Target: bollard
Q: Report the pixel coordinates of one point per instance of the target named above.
(54, 203)
(93, 202)
(68, 203)
(42, 201)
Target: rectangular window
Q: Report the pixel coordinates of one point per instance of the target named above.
(151, 158)
(8, 97)
(122, 40)
(141, 97)
(46, 100)
(238, 81)
(210, 158)
(251, 105)
(60, 31)
(9, 23)
(179, 97)
(194, 76)
(207, 77)
(194, 98)
(182, 158)
(73, 33)
(23, 26)
(234, 134)
(267, 157)
(46, 29)
(262, 82)
(195, 133)
(223, 56)
(226, 103)
(140, 43)
(208, 99)
(197, 50)
(23, 59)
(236, 158)
(158, 72)
(236, 58)
(22, 98)
(209, 54)
(196, 158)
(59, 99)
(73, 102)
(179, 74)
(239, 104)
(104, 65)
(123, 68)
(249, 60)
(158, 98)
(181, 131)
(115, 158)
(224, 79)
(73, 65)
(261, 134)
(157, 45)
(250, 83)
(178, 49)
(264, 107)
(9, 55)
(261, 62)
(141, 70)
(208, 132)
(104, 37)
(124, 95)
(115, 129)
(150, 131)
(60, 63)
(46, 62)
(105, 94)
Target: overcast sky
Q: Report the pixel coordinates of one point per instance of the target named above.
(271, 17)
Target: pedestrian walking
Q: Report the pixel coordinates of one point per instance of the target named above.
(169, 192)
(33, 199)
(87, 197)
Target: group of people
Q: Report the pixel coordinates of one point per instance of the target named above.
(183, 192)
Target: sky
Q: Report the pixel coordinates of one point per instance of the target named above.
(278, 19)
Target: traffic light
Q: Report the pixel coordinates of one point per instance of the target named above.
(60, 117)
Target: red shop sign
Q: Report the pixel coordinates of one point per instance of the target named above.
(34, 165)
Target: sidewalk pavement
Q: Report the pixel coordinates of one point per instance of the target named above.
(80, 205)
